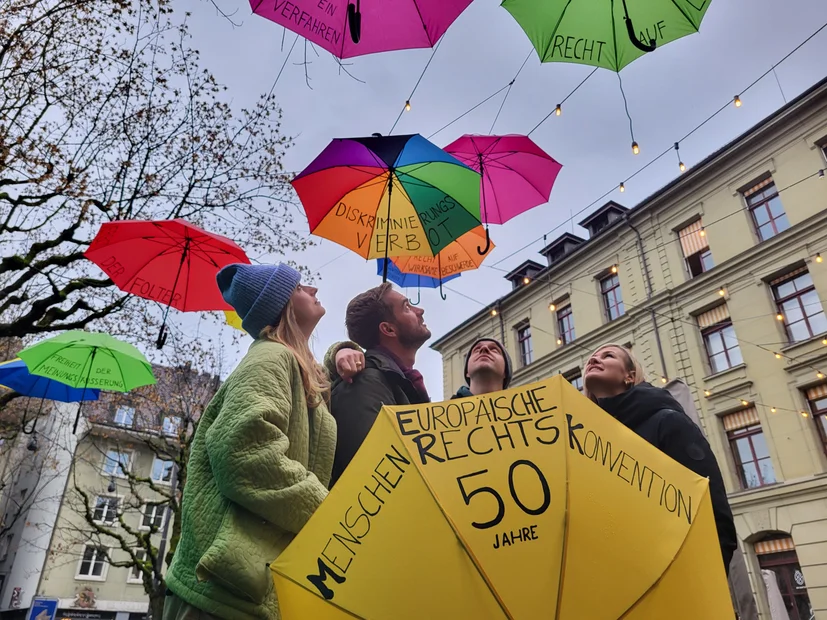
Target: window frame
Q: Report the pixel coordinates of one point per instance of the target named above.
(129, 575)
(819, 415)
(764, 202)
(717, 328)
(575, 375)
(747, 433)
(565, 324)
(130, 410)
(780, 301)
(163, 515)
(104, 570)
(171, 462)
(177, 429)
(117, 512)
(525, 347)
(618, 296)
(118, 473)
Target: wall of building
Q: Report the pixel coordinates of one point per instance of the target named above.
(661, 324)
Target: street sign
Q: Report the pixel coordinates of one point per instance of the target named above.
(43, 609)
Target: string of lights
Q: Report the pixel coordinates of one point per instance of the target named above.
(736, 101)
(407, 106)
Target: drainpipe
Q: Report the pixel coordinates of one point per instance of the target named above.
(648, 280)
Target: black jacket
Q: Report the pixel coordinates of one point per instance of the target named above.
(356, 405)
(653, 414)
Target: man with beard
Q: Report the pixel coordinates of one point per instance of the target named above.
(391, 330)
(487, 369)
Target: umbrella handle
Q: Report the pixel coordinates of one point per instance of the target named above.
(162, 338)
(354, 21)
(630, 30)
(418, 297)
(484, 251)
(441, 294)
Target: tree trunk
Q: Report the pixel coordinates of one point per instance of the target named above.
(156, 602)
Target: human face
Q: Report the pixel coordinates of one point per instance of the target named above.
(607, 372)
(307, 309)
(408, 323)
(486, 356)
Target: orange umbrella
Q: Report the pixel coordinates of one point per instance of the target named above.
(458, 256)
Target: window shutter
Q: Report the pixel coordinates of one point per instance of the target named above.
(757, 187)
(788, 276)
(819, 391)
(741, 419)
(713, 317)
(691, 240)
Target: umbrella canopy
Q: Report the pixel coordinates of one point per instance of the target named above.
(346, 29)
(409, 280)
(89, 360)
(604, 34)
(501, 506)
(16, 376)
(172, 262)
(232, 319)
(517, 175)
(464, 254)
(389, 196)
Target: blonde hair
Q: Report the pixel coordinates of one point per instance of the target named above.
(632, 365)
(314, 379)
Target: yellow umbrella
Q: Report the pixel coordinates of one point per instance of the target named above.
(523, 504)
(232, 319)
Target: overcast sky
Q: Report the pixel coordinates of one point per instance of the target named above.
(670, 92)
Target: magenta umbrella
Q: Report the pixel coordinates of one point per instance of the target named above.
(346, 30)
(517, 175)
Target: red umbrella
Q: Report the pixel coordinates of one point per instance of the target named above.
(172, 262)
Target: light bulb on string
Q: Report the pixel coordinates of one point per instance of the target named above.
(635, 148)
(559, 341)
(773, 410)
(821, 173)
(778, 356)
(614, 269)
(722, 291)
(408, 106)
(707, 393)
(804, 414)
(744, 402)
(818, 258)
(552, 307)
(526, 280)
(493, 312)
(559, 109)
(682, 166)
(663, 380)
(702, 232)
(622, 187)
(737, 101)
(779, 317)
(824, 342)
(820, 375)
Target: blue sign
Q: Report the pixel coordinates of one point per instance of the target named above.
(43, 609)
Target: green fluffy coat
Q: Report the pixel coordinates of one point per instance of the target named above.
(259, 466)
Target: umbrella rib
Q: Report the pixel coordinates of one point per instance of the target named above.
(697, 27)
(328, 601)
(534, 187)
(564, 554)
(66, 346)
(556, 28)
(665, 570)
(115, 359)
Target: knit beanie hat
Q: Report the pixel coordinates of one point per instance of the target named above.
(258, 293)
(506, 357)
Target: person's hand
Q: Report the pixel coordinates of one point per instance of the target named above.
(349, 363)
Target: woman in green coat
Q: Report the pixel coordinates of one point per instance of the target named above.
(261, 458)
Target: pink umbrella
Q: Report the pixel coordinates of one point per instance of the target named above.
(345, 30)
(517, 175)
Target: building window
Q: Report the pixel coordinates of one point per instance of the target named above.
(778, 555)
(106, 509)
(576, 379)
(695, 248)
(749, 448)
(798, 303)
(161, 470)
(136, 575)
(766, 209)
(172, 423)
(612, 299)
(93, 564)
(719, 339)
(152, 516)
(116, 463)
(565, 324)
(817, 398)
(524, 344)
(124, 416)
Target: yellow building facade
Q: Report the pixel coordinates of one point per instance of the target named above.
(717, 279)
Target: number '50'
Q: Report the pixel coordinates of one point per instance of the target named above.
(467, 494)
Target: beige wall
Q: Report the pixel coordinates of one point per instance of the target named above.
(786, 148)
